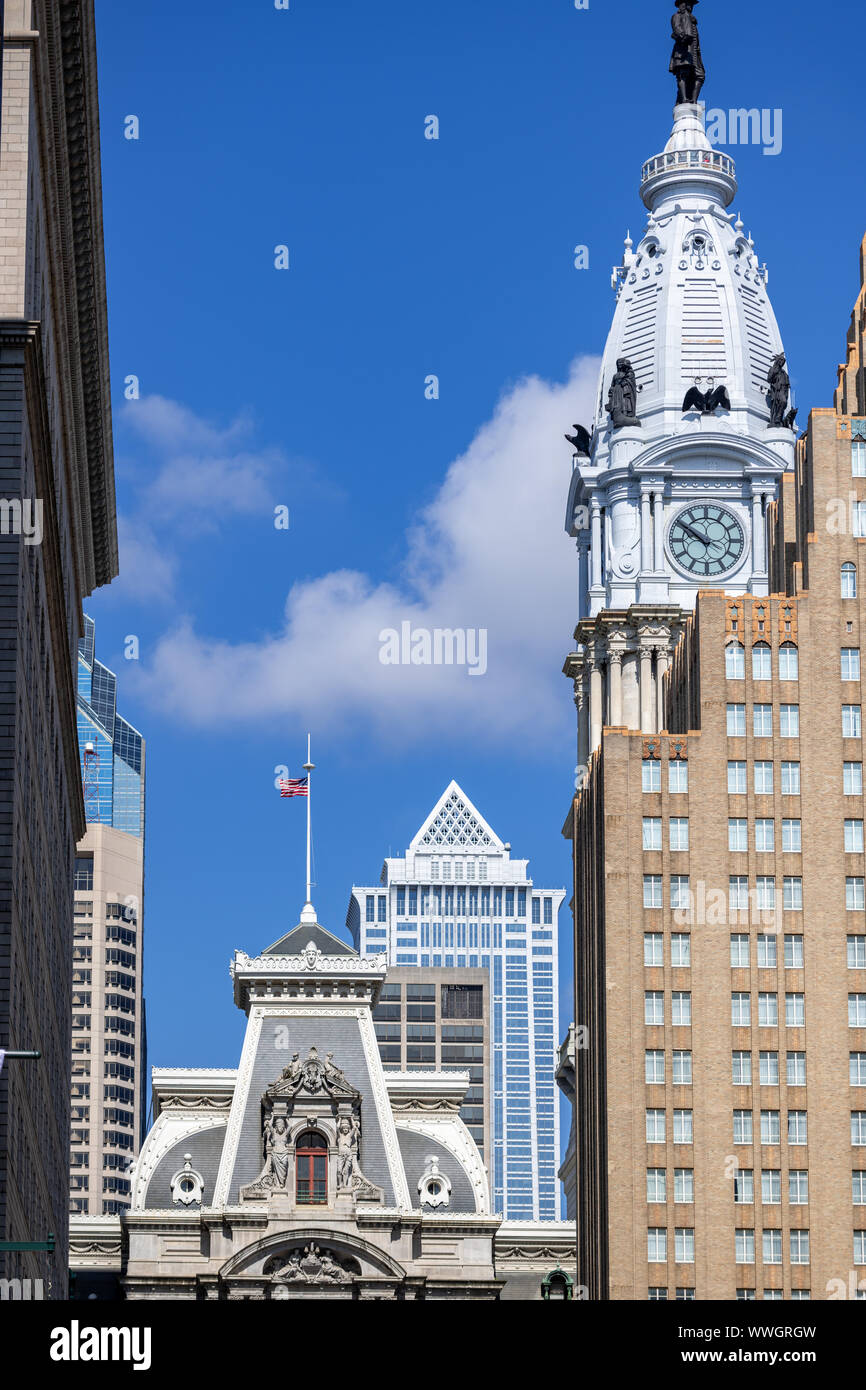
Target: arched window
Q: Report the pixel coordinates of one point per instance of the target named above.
(311, 1169)
(849, 580)
(762, 662)
(789, 662)
(735, 662)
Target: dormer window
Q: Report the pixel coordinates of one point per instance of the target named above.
(311, 1169)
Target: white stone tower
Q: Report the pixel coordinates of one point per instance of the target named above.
(676, 502)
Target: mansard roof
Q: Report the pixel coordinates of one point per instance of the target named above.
(295, 941)
(454, 823)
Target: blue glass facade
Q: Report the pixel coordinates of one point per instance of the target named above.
(112, 774)
(458, 899)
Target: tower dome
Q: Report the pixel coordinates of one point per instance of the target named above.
(692, 301)
(692, 426)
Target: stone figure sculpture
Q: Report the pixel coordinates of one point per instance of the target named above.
(686, 63)
(349, 1175)
(348, 1142)
(622, 396)
(777, 396)
(273, 1176)
(312, 1265)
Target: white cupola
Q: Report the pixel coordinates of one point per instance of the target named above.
(692, 310)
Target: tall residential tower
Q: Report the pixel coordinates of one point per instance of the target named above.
(458, 899)
(109, 1039)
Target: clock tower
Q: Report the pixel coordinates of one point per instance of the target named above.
(692, 430)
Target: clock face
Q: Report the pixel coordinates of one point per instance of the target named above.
(706, 540)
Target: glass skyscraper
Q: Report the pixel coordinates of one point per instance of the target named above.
(458, 899)
(114, 783)
(108, 1023)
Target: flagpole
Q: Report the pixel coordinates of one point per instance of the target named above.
(309, 912)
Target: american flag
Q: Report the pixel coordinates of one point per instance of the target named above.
(294, 786)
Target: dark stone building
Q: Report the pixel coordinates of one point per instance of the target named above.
(57, 543)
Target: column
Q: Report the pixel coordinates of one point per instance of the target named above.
(646, 559)
(595, 697)
(596, 542)
(759, 563)
(615, 678)
(646, 690)
(582, 720)
(662, 663)
(658, 519)
(583, 574)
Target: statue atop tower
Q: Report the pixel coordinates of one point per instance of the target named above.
(686, 64)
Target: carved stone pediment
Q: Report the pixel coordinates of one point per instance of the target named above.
(313, 1077)
(312, 1264)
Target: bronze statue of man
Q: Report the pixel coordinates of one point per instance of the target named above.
(622, 396)
(780, 389)
(686, 64)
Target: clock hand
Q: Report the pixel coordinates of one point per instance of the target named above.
(705, 540)
(697, 534)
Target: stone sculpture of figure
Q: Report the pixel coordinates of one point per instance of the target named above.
(686, 64)
(276, 1169)
(777, 396)
(333, 1074)
(348, 1139)
(293, 1071)
(622, 397)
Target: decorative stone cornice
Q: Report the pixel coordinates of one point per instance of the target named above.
(536, 1243)
(192, 1088)
(67, 27)
(429, 1092)
(95, 1242)
(260, 979)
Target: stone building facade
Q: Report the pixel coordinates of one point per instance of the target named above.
(57, 543)
(310, 1171)
(721, 926)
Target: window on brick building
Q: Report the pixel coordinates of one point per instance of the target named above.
(762, 662)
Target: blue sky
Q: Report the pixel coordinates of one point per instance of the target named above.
(306, 388)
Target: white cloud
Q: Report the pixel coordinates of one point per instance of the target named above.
(147, 572)
(204, 470)
(489, 552)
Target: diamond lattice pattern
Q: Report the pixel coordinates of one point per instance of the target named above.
(455, 824)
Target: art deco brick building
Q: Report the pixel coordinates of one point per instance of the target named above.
(57, 543)
(718, 839)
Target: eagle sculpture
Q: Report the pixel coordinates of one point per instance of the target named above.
(707, 401)
(581, 439)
